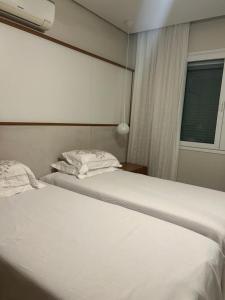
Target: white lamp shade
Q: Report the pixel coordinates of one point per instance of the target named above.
(123, 128)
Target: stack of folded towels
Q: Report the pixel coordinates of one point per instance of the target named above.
(87, 163)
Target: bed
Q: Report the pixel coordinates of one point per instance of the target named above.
(199, 209)
(59, 245)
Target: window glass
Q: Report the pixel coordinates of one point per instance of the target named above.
(201, 102)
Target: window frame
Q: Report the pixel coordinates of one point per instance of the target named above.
(204, 56)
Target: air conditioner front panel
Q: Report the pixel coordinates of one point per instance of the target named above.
(41, 9)
(38, 12)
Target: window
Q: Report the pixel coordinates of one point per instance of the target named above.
(203, 109)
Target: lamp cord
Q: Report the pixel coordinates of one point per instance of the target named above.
(125, 78)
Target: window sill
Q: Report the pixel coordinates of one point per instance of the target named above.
(213, 151)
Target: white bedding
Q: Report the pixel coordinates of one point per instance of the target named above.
(58, 245)
(199, 209)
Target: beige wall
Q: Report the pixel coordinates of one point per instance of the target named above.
(79, 27)
(200, 168)
(207, 35)
(75, 88)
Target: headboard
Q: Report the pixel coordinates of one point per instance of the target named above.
(39, 146)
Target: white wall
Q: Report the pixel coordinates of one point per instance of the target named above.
(81, 28)
(198, 168)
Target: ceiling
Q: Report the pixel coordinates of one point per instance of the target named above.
(151, 14)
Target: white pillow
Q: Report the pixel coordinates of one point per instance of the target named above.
(87, 160)
(16, 178)
(81, 168)
(97, 172)
(64, 167)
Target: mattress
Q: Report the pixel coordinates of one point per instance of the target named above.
(198, 209)
(55, 244)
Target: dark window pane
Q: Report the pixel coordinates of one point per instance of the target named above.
(201, 101)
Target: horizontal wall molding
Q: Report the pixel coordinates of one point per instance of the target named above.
(59, 42)
(54, 124)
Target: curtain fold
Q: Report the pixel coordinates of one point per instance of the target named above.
(157, 99)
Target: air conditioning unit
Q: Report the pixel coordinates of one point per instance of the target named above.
(39, 14)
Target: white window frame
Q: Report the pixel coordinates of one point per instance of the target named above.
(200, 56)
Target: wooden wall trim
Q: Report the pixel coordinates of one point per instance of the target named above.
(59, 42)
(54, 124)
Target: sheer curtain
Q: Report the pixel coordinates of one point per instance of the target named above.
(157, 99)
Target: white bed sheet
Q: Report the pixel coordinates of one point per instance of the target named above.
(55, 244)
(199, 209)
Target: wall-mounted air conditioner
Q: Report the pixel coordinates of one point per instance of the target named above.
(36, 13)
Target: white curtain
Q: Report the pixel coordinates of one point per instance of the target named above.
(157, 99)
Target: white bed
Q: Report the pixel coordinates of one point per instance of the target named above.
(199, 209)
(59, 245)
